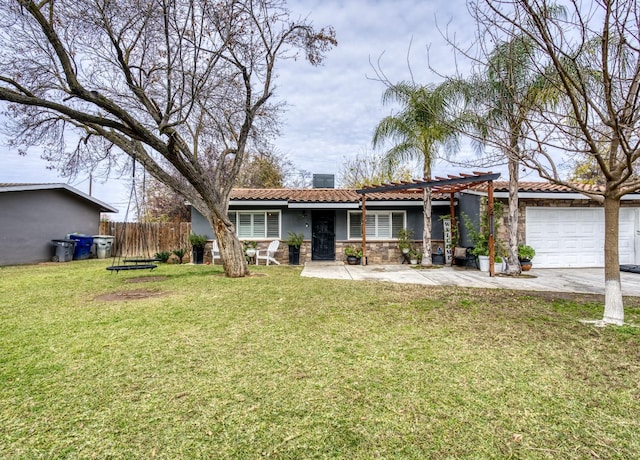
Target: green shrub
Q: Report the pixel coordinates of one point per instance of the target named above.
(179, 253)
(163, 256)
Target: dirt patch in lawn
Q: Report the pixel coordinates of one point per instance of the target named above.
(138, 294)
(145, 279)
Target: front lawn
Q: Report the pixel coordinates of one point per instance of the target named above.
(190, 364)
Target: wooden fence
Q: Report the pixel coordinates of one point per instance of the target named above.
(138, 239)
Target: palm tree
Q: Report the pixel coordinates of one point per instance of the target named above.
(500, 101)
(511, 84)
(418, 131)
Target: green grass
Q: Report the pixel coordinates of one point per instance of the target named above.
(279, 366)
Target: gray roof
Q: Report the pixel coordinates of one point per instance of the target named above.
(104, 207)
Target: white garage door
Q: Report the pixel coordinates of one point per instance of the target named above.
(574, 237)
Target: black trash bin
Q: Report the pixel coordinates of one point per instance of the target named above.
(63, 250)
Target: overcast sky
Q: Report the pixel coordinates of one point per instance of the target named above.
(334, 108)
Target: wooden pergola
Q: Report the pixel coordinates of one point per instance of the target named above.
(449, 185)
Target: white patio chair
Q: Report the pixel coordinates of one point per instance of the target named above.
(269, 253)
(215, 252)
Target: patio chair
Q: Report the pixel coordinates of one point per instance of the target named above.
(215, 252)
(269, 253)
(462, 257)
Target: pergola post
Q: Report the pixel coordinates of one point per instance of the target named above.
(364, 230)
(452, 212)
(492, 270)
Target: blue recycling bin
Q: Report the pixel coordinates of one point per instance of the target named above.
(83, 246)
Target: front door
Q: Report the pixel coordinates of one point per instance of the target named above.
(323, 235)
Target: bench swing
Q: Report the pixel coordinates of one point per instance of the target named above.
(126, 263)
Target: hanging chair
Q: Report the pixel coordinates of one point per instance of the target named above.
(128, 263)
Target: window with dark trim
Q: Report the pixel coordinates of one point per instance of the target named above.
(380, 224)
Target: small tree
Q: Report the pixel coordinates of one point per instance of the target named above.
(263, 170)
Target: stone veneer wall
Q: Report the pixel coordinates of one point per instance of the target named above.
(282, 254)
(383, 252)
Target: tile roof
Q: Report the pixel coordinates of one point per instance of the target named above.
(335, 195)
(319, 195)
(532, 186)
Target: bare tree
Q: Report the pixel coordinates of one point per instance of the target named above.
(594, 52)
(181, 86)
(371, 169)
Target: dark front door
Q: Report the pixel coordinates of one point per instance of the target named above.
(323, 234)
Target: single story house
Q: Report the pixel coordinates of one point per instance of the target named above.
(565, 228)
(32, 215)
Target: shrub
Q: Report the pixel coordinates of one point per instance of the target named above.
(353, 251)
(179, 253)
(163, 256)
(295, 239)
(198, 241)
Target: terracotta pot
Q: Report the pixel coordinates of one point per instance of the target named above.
(525, 265)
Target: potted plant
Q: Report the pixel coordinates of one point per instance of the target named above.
(198, 242)
(499, 264)
(415, 256)
(404, 240)
(354, 254)
(525, 255)
(480, 237)
(250, 248)
(294, 241)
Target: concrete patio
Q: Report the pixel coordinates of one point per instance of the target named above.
(579, 280)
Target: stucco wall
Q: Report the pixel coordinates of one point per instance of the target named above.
(29, 220)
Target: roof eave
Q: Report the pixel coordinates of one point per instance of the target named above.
(103, 207)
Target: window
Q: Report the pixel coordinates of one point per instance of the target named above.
(380, 224)
(256, 224)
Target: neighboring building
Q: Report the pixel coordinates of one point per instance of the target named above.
(565, 228)
(31, 215)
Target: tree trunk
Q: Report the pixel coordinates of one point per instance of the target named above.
(426, 233)
(513, 263)
(231, 251)
(613, 306)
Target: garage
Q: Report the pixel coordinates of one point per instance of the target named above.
(574, 237)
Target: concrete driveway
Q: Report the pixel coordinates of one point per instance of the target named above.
(580, 280)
